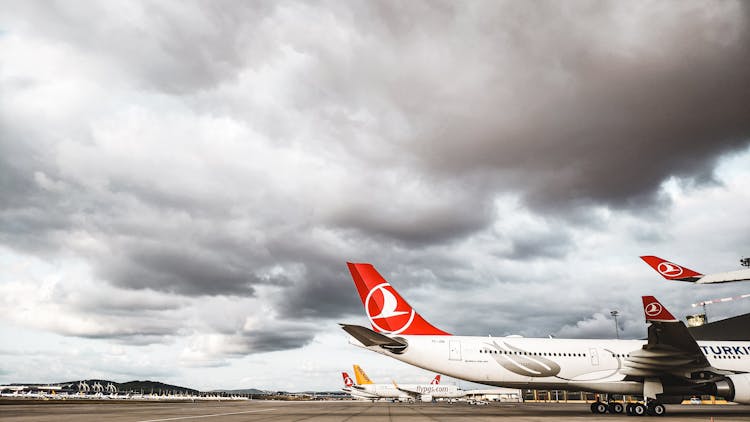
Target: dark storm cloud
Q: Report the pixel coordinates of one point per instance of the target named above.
(180, 270)
(586, 123)
(324, 292)
(274, 339)
(430, 111)
(528, 245)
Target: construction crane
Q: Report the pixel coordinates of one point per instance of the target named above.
(722, 300)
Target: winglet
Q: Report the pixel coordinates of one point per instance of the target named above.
(436, 380)
(670, 270)
(387, 311)
(655, 311)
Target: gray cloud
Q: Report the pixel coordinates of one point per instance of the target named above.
(203, 150)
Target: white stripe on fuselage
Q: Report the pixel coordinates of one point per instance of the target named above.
(585, 363)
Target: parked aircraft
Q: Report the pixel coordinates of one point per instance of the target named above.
(661, 369)
(672, 271)
(366, 389)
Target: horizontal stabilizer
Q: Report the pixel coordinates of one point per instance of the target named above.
(370, 338)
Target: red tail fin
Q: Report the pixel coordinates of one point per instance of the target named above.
(347, 379)
(655, 311)
(387, 311)
(436, 380)
(670, 270)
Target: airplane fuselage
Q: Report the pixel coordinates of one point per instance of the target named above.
(564, 364)
(407, 391)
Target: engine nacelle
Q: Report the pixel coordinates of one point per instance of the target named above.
(735, 388)
(427, 398)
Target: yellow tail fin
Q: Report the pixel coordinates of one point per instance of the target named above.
(360, 375)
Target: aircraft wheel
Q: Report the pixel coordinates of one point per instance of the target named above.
(639, 409)
(615, 407)
(629, 409)
(656, 409)
(598, 407)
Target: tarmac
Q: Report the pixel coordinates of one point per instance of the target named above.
(255, 410)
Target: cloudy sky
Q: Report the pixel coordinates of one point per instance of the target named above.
(181, 183)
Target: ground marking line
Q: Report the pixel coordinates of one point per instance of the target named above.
(205, 416)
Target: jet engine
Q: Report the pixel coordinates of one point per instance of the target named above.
(427, 398)
(735, 388)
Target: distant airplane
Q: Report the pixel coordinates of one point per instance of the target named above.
(672, 271)
(662, 369)
(366, 389)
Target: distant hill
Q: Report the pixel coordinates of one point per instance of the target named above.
(148, 387)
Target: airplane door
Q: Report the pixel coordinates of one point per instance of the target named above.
(454, 350)
(594, 357)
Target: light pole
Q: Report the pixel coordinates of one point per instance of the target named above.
(617, 329)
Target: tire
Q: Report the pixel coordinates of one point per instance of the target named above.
(656, 409)
(598, 408)
(639, 409)
(629, 409)
(615, 408)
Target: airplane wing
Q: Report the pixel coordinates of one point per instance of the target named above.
(411, 393)
(670, 351)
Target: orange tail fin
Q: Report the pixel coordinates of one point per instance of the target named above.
(362, 378)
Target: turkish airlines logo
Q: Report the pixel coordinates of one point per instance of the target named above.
(669, 269)
(381, 304)
(348, 381)
(653, 309)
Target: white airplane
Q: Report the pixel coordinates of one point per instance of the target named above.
(672, 271)
(668, 365)
(366, 389)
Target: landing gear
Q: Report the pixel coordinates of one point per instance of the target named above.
(652, 408)
(637, 409)
(598, 408)
(615, 407)
(655, 408)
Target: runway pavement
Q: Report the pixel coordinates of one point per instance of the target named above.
(338, 411)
